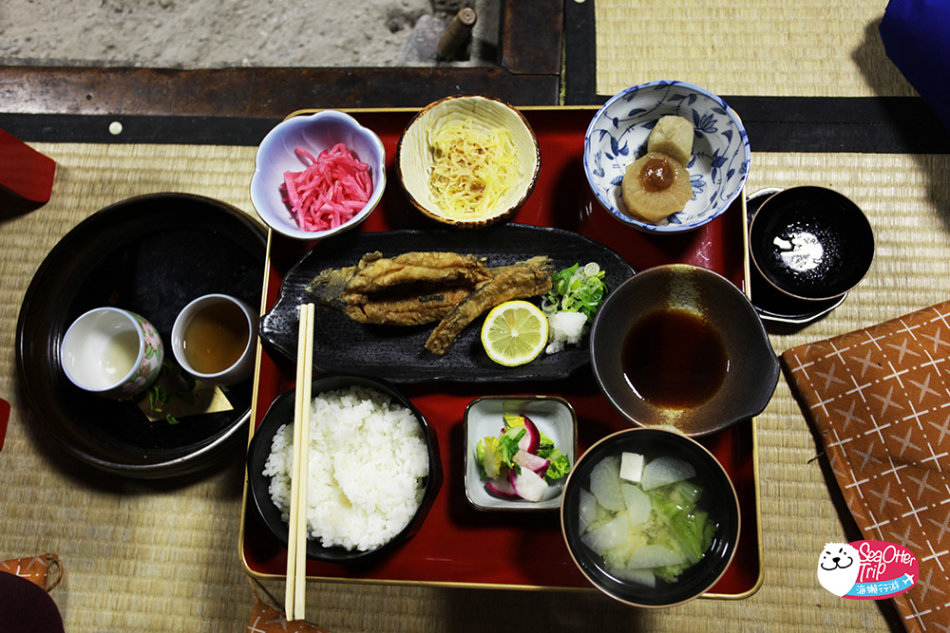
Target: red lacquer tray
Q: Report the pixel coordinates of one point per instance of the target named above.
(458, 545)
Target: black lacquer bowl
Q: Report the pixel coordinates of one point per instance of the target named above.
(151, 254)
(281, 412)
(718, 498)
(811, 243)
(771, 303)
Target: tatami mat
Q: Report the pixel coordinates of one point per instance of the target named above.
(154, 557)
(769, 48)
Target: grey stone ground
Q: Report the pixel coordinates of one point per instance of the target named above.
(222, 33)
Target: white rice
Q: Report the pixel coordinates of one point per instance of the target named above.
(368, 462)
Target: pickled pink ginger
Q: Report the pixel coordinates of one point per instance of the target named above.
(333, 188)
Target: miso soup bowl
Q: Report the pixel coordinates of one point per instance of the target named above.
(751, 370)
(718, 498)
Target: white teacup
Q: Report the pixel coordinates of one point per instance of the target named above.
(214, 339)
(112, 353)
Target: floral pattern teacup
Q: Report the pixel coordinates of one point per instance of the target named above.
(112, 353)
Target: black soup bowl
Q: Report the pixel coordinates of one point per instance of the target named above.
(811, 243)
(716, 498)
(681, 346)
(281, 412)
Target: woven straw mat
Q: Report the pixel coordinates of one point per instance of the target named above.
(152, 557)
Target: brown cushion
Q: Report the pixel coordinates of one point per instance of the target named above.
(44, 570)
(879, 399)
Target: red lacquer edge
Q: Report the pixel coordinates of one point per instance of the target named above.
(739, 444)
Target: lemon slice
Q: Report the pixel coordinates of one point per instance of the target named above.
(514, 333)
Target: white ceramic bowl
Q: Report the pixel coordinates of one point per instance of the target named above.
(242, 368)
(314, 133)
(414, 158)
(484, 416)
(618, 133)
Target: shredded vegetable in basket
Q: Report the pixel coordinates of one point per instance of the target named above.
(472, 169)
(333, 188)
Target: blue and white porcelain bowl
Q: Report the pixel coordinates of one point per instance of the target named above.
(618, 133)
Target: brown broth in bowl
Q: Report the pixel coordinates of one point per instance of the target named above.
(674, 359)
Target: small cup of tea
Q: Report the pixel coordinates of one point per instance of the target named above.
(112, 353)
(214, 337)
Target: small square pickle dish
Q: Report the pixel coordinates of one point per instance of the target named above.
(485, 416)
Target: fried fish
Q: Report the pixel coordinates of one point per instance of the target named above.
(418, 308)
(421, 287)
(517, 281)
(377, 273)
(413, 288)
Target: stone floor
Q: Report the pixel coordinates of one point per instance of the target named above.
(192, 34)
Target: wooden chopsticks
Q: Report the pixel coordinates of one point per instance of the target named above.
(295, 594)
